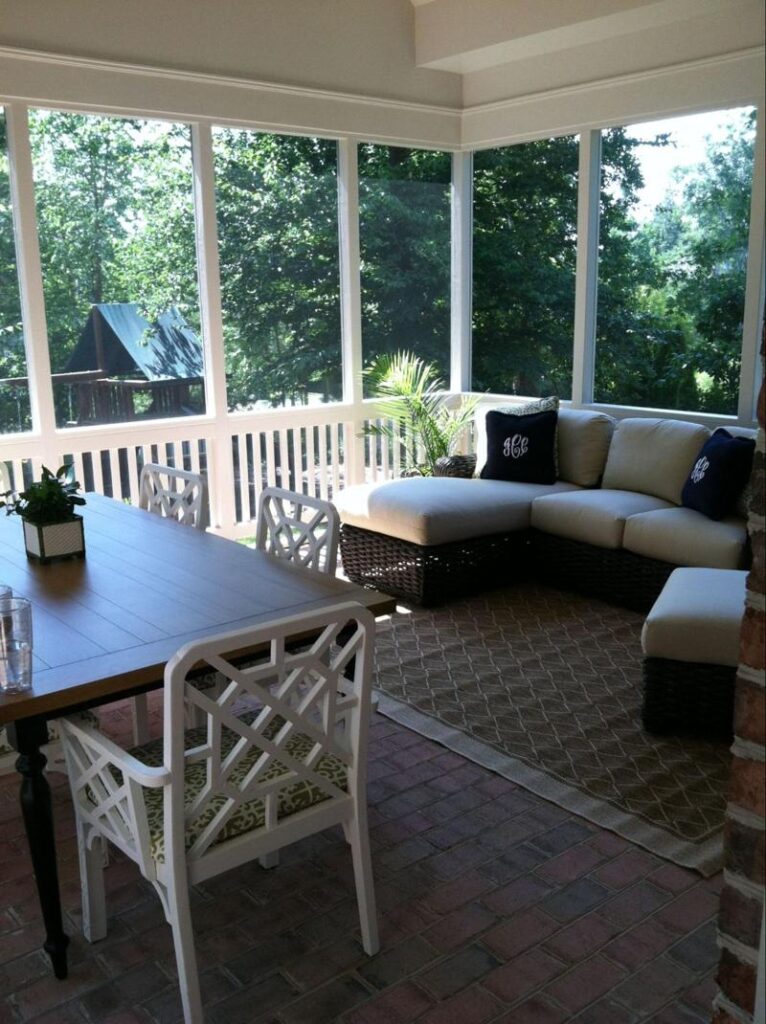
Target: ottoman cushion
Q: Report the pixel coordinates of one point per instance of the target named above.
(592, 517)
(685, 537)
(439, 510)
(697, 617)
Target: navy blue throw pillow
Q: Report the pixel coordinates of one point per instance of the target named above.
(521, 448)
(718, 475)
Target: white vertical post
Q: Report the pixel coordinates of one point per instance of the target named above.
(586, 284)
(750, 370)
(351, 302)
(220, 460)
(31, 281)
(461, 282)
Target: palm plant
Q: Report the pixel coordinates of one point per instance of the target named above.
(415, 410)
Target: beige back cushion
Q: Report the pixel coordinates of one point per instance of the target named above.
(653, 456)
(584, 439)
(583, 443)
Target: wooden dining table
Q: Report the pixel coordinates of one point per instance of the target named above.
(104, 626)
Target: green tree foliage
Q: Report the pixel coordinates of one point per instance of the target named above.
(114, 207)
(641, 354)
(711, 262)
(525, 224)
(670, 325)
(404, 237)
(277, 200)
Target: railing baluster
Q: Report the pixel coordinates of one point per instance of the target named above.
(284, 458)
(323, 489)
(335, 449)
(244, 477)
(98, 472)
(271, 474)
(298, 460)
(133, 473)
(114, 469)
(310, 466)
(257, 439)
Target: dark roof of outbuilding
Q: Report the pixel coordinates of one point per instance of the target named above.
(168, 349)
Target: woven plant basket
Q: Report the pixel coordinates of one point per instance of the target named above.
(455, 465)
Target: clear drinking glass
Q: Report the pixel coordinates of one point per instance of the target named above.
(15, 644)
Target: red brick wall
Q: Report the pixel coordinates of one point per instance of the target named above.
(739, 921)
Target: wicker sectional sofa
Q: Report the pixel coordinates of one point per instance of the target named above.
(612, 525)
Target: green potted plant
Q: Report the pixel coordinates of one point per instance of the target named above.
(411, 397)
(52, 529)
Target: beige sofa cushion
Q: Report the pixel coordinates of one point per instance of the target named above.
(685, 537)
(593, 517)
(583, 440)
(653, 456)
(437, 510)
(697, 617)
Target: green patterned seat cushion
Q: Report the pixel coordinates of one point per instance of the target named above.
(292, 798)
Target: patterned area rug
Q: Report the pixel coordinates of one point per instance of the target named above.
(544, 687)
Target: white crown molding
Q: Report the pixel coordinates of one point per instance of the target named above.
(231, 81)
(64, 80)
(732, 79)
(634, 78)
(70, 81)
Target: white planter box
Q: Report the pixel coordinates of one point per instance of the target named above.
(58, 540)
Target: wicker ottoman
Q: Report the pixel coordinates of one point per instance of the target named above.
(690, 642)
(428, 539)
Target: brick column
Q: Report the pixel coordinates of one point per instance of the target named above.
(740, 915)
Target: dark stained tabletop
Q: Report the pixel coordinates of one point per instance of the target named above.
(109, 622)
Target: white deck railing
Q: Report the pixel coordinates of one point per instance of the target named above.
(315, 450)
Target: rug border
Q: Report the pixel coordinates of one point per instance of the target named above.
(705, 857)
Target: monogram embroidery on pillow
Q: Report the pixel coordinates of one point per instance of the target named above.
(516, 446)
(701, 466)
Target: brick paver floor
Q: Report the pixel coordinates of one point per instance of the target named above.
(495, 906)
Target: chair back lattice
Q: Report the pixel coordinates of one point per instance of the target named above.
(175, 494)
(299, 746)
(299, 528)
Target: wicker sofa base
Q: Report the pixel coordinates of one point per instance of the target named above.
(684, 696)
(614, 575)
(432, 574)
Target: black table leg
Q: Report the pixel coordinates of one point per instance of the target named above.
(27, 736)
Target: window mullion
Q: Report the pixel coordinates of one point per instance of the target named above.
(461, 271)
(30, 279)
(751, 370)
(351, 299)
(586, 285)
(220, 466)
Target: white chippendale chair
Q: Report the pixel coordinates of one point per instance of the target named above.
(193, 804)
(299, 528)
(175, 494)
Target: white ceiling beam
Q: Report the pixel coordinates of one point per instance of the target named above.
(471, 35)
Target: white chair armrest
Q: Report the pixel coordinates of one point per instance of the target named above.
(145, 775)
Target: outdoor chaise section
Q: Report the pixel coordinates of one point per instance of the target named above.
(431, 538)
(427, 539)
